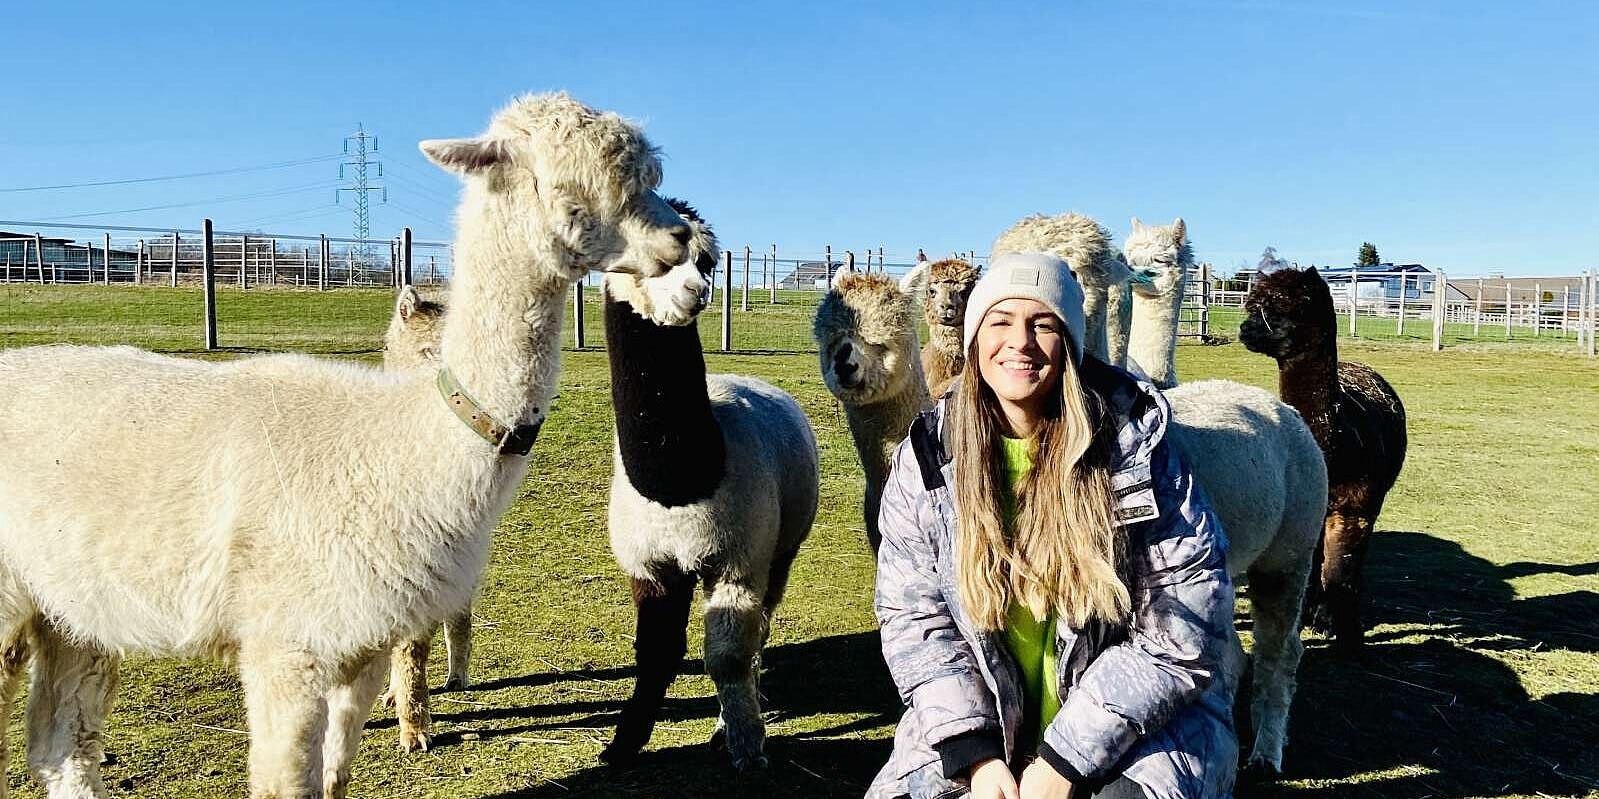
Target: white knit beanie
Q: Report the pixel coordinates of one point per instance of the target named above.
(1033, 276)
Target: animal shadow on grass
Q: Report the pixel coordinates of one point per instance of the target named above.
(836, 675)
(1433, 709)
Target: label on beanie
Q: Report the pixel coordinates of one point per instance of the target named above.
(1024, 276)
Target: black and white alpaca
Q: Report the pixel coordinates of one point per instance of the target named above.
(715, 482)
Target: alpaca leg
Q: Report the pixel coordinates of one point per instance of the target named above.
(458, 642)
(735, 627)
(1274, 602)
(68, 700)
(408, 684)
(285, 699)
(13, 659)
(349, 706)
(776, 585)
(659, 643)
(1348, 536)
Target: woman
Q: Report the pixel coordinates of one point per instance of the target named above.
(1052, 585)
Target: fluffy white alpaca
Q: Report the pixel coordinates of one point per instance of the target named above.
(412, 342)
(865, 331)
(1160, 258)
(1255, 458)
(715, 481)
(296, 514)
(1085, 247)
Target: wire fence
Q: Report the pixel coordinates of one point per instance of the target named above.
(328, 294)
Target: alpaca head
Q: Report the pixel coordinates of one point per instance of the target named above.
(1289, 312)
(865, 332)
(949, 283)
(1078, 240)
(573, 188)
(677, 297)
(1160, 257)
(412, 340)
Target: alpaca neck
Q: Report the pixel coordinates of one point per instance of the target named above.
(1095, 343)
(1308, 381)
(502, 336)
(670, 443)
(1153, 341)
(947, 338)
(878, 427)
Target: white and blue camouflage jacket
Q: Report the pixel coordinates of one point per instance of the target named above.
(1151, 701)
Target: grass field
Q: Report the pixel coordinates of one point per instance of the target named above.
(1481, 678)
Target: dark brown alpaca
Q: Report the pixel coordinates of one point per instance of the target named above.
(1357, 419)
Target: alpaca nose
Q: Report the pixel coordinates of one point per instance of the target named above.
(841, 363)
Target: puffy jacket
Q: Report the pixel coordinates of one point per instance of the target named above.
(1151, 701)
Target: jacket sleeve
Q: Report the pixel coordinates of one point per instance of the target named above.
(933, 666)
(1179, 639)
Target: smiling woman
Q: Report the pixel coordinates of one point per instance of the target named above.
(1071, 529)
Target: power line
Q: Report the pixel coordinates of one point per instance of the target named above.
(125, 181)
(251, 196)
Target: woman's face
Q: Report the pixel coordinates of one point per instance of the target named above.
(1021, 348)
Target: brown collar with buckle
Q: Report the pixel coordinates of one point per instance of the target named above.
(507, 440)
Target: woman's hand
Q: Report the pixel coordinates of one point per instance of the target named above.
(1041, 781)
(991, 779)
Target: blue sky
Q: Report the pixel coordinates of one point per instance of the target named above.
(1460, 135)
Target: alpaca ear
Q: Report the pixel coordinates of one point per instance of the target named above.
(1137, 225)
(406, 304)
(466, 156)
(911, 282)
(838, 277)
(1179, 231)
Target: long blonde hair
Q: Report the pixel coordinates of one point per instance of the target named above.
(1065, 555)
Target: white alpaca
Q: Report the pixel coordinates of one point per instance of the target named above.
(302, 515)
(1160, 258)
(1085, 247)
(865, 331)
(715, 481)
(1257, 461)
(412, 342)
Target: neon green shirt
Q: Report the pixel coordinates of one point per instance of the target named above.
(1031, 640)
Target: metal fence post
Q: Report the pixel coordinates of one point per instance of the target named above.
(173, 274)
(1354, 300)
(727, 301)
(1476, 319)
(138, 265)
(244, 250)
(773, 284)
(1399, 329)
(38, 254)
(1593, 307)
(744, 301)
(322, 264)
(1441, 292)
(272, 261)
(405, 255)
(1537, 309)
(208, 269)
(827, 269)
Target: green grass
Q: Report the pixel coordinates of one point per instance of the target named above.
(1481, 678)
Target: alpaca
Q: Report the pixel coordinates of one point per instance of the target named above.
(1119, 318)
(412, 342)
(944, 286)
(1160, 257)
(865, 331)
(1258, 463)
(1085, 247)
(296, 515)
(1357, 419)
(715, 481)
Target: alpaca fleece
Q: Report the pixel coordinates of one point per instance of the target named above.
(1358, 421)
(300, 515)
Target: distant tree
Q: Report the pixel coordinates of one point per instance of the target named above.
(1270, 261)
(1368, 255)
